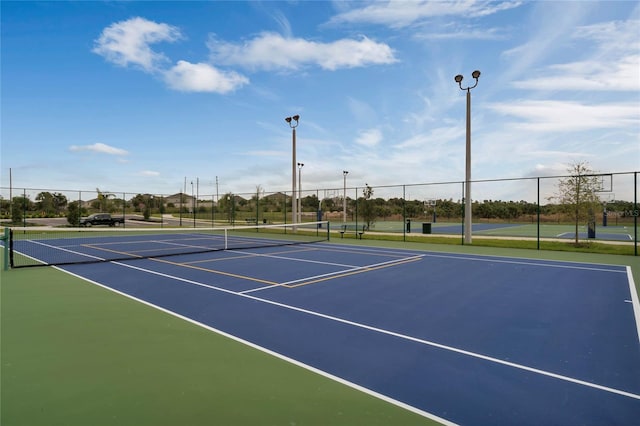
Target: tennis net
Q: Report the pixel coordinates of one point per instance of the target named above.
(42, 246)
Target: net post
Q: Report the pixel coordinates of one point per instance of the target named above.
(5, 257)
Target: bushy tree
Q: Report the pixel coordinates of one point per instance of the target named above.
(104, 201)
(19, 207)
(577, 193)
(368, 207)
(74, 211)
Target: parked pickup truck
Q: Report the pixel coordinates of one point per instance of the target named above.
(101, 219)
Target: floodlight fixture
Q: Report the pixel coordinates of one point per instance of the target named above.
(458, 78)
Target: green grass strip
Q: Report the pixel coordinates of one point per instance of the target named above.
(74, 353)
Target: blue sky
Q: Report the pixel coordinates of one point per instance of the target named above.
(136, 96)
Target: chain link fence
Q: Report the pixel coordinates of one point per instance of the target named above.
(537, 208)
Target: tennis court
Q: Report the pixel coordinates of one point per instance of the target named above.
(554, 231)
(457, 338)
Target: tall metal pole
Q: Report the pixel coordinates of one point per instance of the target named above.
(294, 193)
(215, 206)
(467, 193)
(467, 188)
(344, 198)
(300, 165)
(11, 196)
(193, 205)
(293, 123)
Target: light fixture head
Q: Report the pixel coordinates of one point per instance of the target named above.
(459, 78)
(288, 119)
(475, 74)
(297, 117)
(345, 172)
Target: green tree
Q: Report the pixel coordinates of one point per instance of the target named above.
(368, 206)
(50, 204)
(226, 204)
(5, 207)
(104, 202)
(19, 207)
(73, 213)
(44, 203)
(577, 194)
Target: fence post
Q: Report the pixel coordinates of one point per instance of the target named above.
(635, 216)
(538, 214)
(5, 257)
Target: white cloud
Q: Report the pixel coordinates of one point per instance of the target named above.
(455, 31)
(399, 13)
(613, 64)
(271, 51)
(613, 35)
(149, 173)
(369, 138)
(616, 75)
(563, 116)
(99, 148)
(188, 77)
(127, 42)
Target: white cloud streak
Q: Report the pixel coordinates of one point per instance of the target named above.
(613, 65)
(564, 116)
(99, 148)
(400, 13)
(621, 75)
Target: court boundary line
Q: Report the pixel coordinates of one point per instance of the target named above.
(336, 274)
(397, 335)
(635, 303)
(263, 349)
(571, 264)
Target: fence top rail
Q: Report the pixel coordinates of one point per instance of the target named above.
(340, 189)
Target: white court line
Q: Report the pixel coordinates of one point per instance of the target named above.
(358, 268)
(570, 264)
(634, 299)
(397, 335)
(530, 263)
(351, 269)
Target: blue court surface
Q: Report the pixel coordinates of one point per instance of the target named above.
(465, 339)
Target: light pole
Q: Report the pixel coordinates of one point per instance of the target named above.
(193, 205)
(293, 123)
(344, 197)
(467, 180)
(300, 166)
